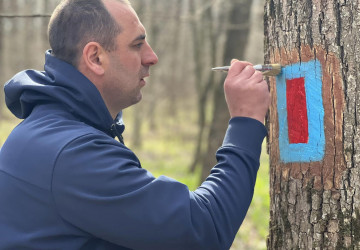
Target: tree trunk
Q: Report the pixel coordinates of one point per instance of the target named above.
(314, 128)
(137, 114)
(236, 41)
(202, 26)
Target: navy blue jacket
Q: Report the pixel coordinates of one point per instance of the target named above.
(66, 183)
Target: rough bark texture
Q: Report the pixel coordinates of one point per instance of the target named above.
(316, 205)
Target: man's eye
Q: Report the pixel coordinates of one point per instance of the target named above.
(138, 45)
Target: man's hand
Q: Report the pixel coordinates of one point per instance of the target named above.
(246, 91)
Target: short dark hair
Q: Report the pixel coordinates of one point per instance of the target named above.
(74, 23)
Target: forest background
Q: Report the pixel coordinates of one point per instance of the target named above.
(178, 125)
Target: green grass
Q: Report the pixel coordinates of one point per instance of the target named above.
(6, 126)
(254, 230)
(167, 150)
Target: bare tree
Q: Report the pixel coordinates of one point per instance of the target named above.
(206, 29)
(314, 124)
(24, 32)
(165, 29)
(238, 28)
(137, 114)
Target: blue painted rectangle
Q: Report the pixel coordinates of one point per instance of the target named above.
(314, 150)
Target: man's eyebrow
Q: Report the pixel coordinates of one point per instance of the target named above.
(141, 37)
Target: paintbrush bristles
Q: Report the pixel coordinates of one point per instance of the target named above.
(266, 69)
(271, 69)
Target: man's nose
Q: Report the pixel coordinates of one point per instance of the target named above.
(150, 58)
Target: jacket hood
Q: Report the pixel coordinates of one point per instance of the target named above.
(59, 83)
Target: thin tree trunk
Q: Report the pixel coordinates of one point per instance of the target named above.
(204, 78)
(237, 37)
(146, 11)
(174, 75)
(137, 114)
(314, 128)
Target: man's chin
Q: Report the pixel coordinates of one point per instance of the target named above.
(138, 98)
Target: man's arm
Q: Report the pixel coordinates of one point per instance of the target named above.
(99, 188)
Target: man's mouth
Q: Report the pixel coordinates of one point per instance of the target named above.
(143, 78)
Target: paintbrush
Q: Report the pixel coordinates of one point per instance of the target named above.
(266, 69)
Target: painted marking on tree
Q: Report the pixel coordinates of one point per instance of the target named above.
(301, 112)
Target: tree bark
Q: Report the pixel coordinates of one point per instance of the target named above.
(314, 199)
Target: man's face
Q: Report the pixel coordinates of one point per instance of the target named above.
(129, 64)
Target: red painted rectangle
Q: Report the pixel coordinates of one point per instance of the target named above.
(296, 111)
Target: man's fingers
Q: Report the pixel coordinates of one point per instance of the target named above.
(248, 72)
(258, 77)
(237, 67)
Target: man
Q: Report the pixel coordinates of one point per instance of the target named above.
(65, 183)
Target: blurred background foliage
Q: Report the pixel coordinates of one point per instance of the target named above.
(180, 122)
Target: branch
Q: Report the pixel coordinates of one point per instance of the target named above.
(24, 16)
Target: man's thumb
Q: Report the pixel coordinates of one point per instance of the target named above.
(234, 60)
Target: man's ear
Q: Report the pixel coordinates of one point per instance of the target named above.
(94, 57)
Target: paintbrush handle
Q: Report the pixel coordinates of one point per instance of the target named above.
(259, 67)
(223, 68)
(266, 69)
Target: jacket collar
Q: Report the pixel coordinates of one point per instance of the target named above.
(61, 83)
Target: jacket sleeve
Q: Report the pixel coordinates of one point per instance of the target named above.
(99, 187)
